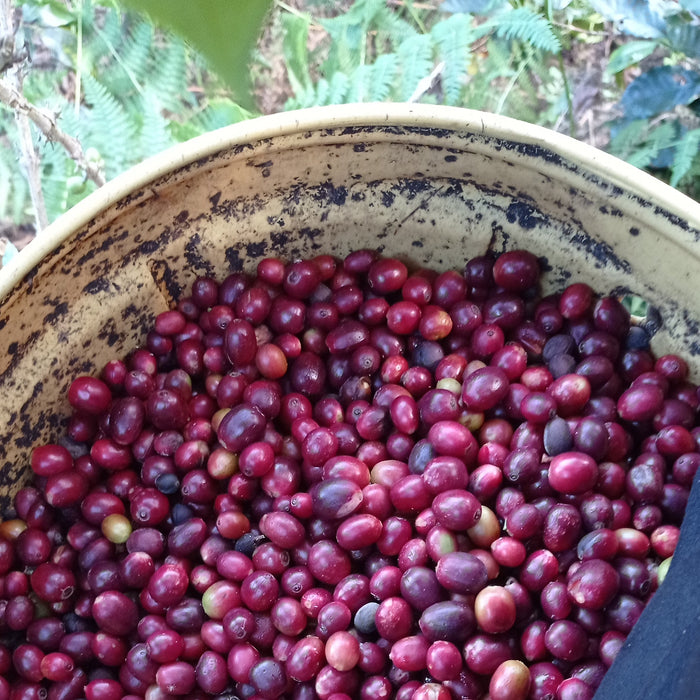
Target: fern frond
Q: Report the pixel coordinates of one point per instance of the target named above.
(337, 89)
(453, 37)
(687, 151)
(658, 139)
(154, 135)
(383, 77)
(294, 43)
(130, 70)
(359, 84)
(415, 57)
(219, 113)
(523, 24)
(169, 77)
(108, 126)
(54, 180)
(348, 35)
(391, 28)
(627, 137)
(108, 28)
(322, 92)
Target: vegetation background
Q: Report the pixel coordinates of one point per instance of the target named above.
(90, 88)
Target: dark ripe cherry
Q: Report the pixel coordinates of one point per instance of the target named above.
(168, 584)
(483, 653)
(594, 584)
(456, 509)
(596, 511)
(328, 562)
(611, 642)
(598, 544)
(516, 270)
(623, 612)
(571, 393)
(461, 572)
(685, 467)
(484, 388)
(634, 576)
(307, 374)
(347, 337)
(420, 587)
(644, 484)
(48, 460)
(466, 317)
(611, 316)
(505, 310)
(335, 498)
(640, 402)
(573, 472)
(486, 340)
(148, 506)
(540, 567)
(53, 583)
(386, 275)
(89, 395)
(240, 342)
(522, 466)
(599, 343)
(33, 546)
(242, 425)
(562, 527)
(566, 640)
(167, 409)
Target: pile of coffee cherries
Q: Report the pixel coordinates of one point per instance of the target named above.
(350, 480)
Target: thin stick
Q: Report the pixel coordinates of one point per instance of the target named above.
(28, 154)
(46, 123)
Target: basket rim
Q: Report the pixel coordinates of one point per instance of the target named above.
(615, 171)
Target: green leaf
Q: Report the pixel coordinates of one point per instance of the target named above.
(525, 25)
(296, 55)
(687, 151)
(683, 37)
(660, 90)
(628, 54)
(50, 13)
(635, 17)
(223, 31)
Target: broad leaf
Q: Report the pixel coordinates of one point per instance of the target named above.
(628, 54)
(640, 18)
(684, 37)
(223, 31)
(660, 90)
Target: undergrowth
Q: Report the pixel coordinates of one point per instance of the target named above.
(128, 90)
(126, 94)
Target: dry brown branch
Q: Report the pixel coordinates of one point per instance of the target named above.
(46, 123)
(12, 61)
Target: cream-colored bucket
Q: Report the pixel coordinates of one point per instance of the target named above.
(434, 185)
